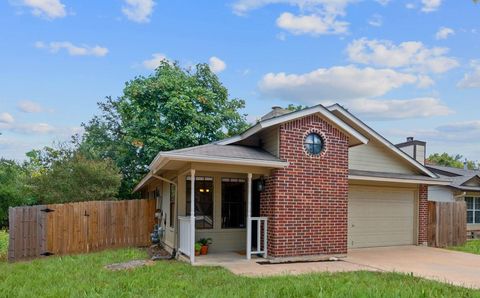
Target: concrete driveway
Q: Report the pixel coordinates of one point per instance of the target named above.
(462, 269)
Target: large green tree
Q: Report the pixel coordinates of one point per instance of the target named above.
(456, 161)
(13, 188)
(66, 175)
(172, 108)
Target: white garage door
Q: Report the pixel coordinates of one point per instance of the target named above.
(380, 217)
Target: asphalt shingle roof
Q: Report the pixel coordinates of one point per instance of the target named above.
(458, 176)
(228, 151)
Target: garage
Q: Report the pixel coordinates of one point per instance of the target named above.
(381, 216)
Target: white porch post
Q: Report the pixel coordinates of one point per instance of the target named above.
(249, 217)
(192, 216)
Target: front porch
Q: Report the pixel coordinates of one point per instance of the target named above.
(225, 208)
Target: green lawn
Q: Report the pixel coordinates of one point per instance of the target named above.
(472, 246)
(84, 275)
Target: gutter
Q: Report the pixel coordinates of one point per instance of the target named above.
(399, 180)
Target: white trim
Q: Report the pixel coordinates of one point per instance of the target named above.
(292, 116)
(164, 157)
(142, 182)
(164, 179)
(249, 217)
(397, 180)
(233, 161)
(192, 216)
(474, 209)
(382, 140)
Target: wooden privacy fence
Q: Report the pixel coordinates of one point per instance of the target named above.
(447, 223)
(60, 229)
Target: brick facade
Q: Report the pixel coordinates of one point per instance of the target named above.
(422, 214)
(306, 203)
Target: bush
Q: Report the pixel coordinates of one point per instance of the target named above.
(3, 245)
(13, 188)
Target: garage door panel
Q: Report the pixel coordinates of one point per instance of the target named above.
(380, 217)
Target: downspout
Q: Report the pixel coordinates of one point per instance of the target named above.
(462, 195)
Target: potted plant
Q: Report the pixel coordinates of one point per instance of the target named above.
(198, 248)
(204, 242)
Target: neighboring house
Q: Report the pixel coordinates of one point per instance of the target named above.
(465, 185)
(322, 180)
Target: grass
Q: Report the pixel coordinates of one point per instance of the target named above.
(84, 275)
(472, 246)
(3, 245)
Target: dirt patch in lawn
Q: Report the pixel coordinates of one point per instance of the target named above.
(156, 252)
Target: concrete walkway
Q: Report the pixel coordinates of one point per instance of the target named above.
(452, 267)
(458, 268)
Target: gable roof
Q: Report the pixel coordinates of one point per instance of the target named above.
(281, 118)
(375, 135)
(459, 177)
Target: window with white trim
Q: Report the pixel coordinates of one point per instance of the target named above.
(203, 201)
(473, 210)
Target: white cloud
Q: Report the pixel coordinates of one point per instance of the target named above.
(28, 128)
(337, 7)
(383, 2)
(311, 24)
(28, 106)
(155, 61)
(138, 10)
(431, 5)
(72, 50)
(472, 78)
(217, 65)
(376, 20)
(410, 6)
(50, 9)
(6, 118)
(339, 82)
(40, 128)
(316, 17)
(374, 109)
(444, 33)
(464, 132)
(34, 128)
(425, 81)
(411, 55)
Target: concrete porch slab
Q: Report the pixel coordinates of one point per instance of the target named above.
(239, 265)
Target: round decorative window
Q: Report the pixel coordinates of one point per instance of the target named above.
(314, 144)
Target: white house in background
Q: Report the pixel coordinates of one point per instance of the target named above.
(465, 183)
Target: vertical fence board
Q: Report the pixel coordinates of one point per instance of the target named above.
(447, 223)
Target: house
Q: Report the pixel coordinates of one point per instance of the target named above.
(296, 185)
(465, 185)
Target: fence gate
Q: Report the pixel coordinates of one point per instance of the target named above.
(447, 223)
(59, 229)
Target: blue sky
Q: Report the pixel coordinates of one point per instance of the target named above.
(407, 68)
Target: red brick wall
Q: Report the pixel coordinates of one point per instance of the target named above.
(422, 214)
(307, 202)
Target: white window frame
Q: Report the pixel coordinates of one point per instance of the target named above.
(475, 208)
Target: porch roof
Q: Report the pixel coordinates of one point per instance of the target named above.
(214, 153)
